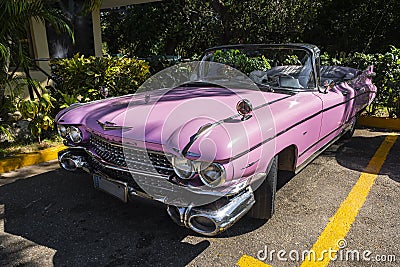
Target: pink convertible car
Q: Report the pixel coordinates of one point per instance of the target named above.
(210, 149)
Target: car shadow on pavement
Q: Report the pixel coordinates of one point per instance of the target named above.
(356, 153)
(63, 211)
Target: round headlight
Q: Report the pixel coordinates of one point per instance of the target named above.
(212, 174)
(74, 134)
(62, 131)
(183, 167)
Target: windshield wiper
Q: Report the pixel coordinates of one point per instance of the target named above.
(266, 87)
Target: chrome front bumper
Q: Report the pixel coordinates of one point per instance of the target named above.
(210, 219)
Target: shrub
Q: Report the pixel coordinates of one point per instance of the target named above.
(241, 61)
(38, 113)
(9, 114)
(159, 63)
(80, 79)
(7, 108)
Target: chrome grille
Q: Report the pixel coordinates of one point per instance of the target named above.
(135, 158)
(124, 176)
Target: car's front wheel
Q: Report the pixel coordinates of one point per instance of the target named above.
(265, 194)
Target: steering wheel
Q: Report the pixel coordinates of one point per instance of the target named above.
(277, 75)
(275, 78)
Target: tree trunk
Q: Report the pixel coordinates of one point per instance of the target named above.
(170, 46)
(226, 18)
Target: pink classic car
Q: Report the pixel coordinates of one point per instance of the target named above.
(212, 151)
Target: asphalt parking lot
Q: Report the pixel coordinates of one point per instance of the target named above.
(51, 217)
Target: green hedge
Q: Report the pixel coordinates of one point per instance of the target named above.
(241, 61)
(387, 79)
(82, 78)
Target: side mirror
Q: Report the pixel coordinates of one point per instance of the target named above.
(328, 85)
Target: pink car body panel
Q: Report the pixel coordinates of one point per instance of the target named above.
(305, 120)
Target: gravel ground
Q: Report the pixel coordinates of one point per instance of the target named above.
(51, 217)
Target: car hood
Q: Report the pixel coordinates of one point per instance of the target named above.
(172, 119)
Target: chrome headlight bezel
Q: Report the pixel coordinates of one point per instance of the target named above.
(206, 167)
(62, 131)
(180, 164)
(74, 134)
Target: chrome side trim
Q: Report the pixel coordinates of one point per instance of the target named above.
(346, 126)
(290, 127)
(318, 152)
(205, 128)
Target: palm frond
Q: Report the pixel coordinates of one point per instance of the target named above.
(4, 53)
(14, 20)
(90, 5)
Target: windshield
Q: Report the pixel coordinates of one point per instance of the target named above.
(276, 67)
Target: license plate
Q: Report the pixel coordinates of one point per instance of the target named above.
(115, 188)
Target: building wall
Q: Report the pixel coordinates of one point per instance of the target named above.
(97, 33)
(41, 51)
(36, 75)
(40, 44)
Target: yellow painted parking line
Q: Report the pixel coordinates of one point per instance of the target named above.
(340, 224)
(248, 261)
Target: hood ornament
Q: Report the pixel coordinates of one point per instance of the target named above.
(107, 125)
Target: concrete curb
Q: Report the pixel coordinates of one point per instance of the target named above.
(23, 160)
(378, 122)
